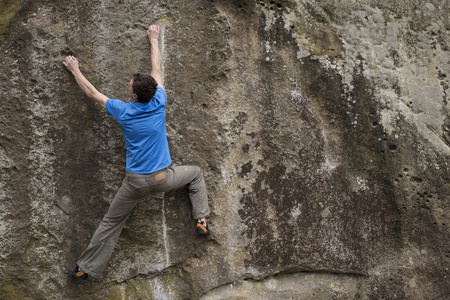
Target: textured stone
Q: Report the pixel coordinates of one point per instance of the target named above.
(293, 286)
(322, 128)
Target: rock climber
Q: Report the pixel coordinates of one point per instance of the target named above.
(148, 162)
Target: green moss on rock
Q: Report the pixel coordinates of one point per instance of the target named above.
(10, 8)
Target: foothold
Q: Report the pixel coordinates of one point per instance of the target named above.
(392, 148)
(67, 51)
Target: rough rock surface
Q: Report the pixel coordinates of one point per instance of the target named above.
(322, 127)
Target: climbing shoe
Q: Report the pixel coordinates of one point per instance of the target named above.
(78, 273)
(202, 228)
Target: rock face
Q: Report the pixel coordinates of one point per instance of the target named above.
(322, 127)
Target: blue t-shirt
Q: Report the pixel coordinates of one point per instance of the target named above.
(144, 129)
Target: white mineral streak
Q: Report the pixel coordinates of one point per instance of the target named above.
(161, 291)
(270, 18)
(42, 188)
(5, 197)
(105, 80)
(162, 49)
(5, 193)
(165, 237)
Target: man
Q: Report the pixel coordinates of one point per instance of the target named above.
(148, 162)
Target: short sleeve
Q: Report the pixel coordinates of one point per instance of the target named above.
(114, 108)
(161, 95)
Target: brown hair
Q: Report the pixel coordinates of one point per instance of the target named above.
(144, 86)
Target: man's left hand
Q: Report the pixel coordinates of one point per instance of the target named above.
(71, 63)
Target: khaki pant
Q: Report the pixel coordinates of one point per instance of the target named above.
(94, 259)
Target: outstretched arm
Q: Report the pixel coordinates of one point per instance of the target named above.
(153, 35)
(71, 63)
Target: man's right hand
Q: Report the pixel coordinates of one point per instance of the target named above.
(153, 32)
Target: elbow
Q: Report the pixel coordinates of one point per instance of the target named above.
(90, 94)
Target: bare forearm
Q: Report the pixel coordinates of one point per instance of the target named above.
(84, 84)
(155, 55)
(89, 89)
(156, 61)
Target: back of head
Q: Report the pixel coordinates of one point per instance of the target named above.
(144, 86)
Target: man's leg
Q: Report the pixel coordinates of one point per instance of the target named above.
(94, 259)
(192, 177)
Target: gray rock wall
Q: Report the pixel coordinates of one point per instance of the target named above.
(322, 128)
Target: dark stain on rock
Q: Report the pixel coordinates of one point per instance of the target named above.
(446, 130)
(245, 169)
(252, 135)
(292, 213)
(237, 125)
